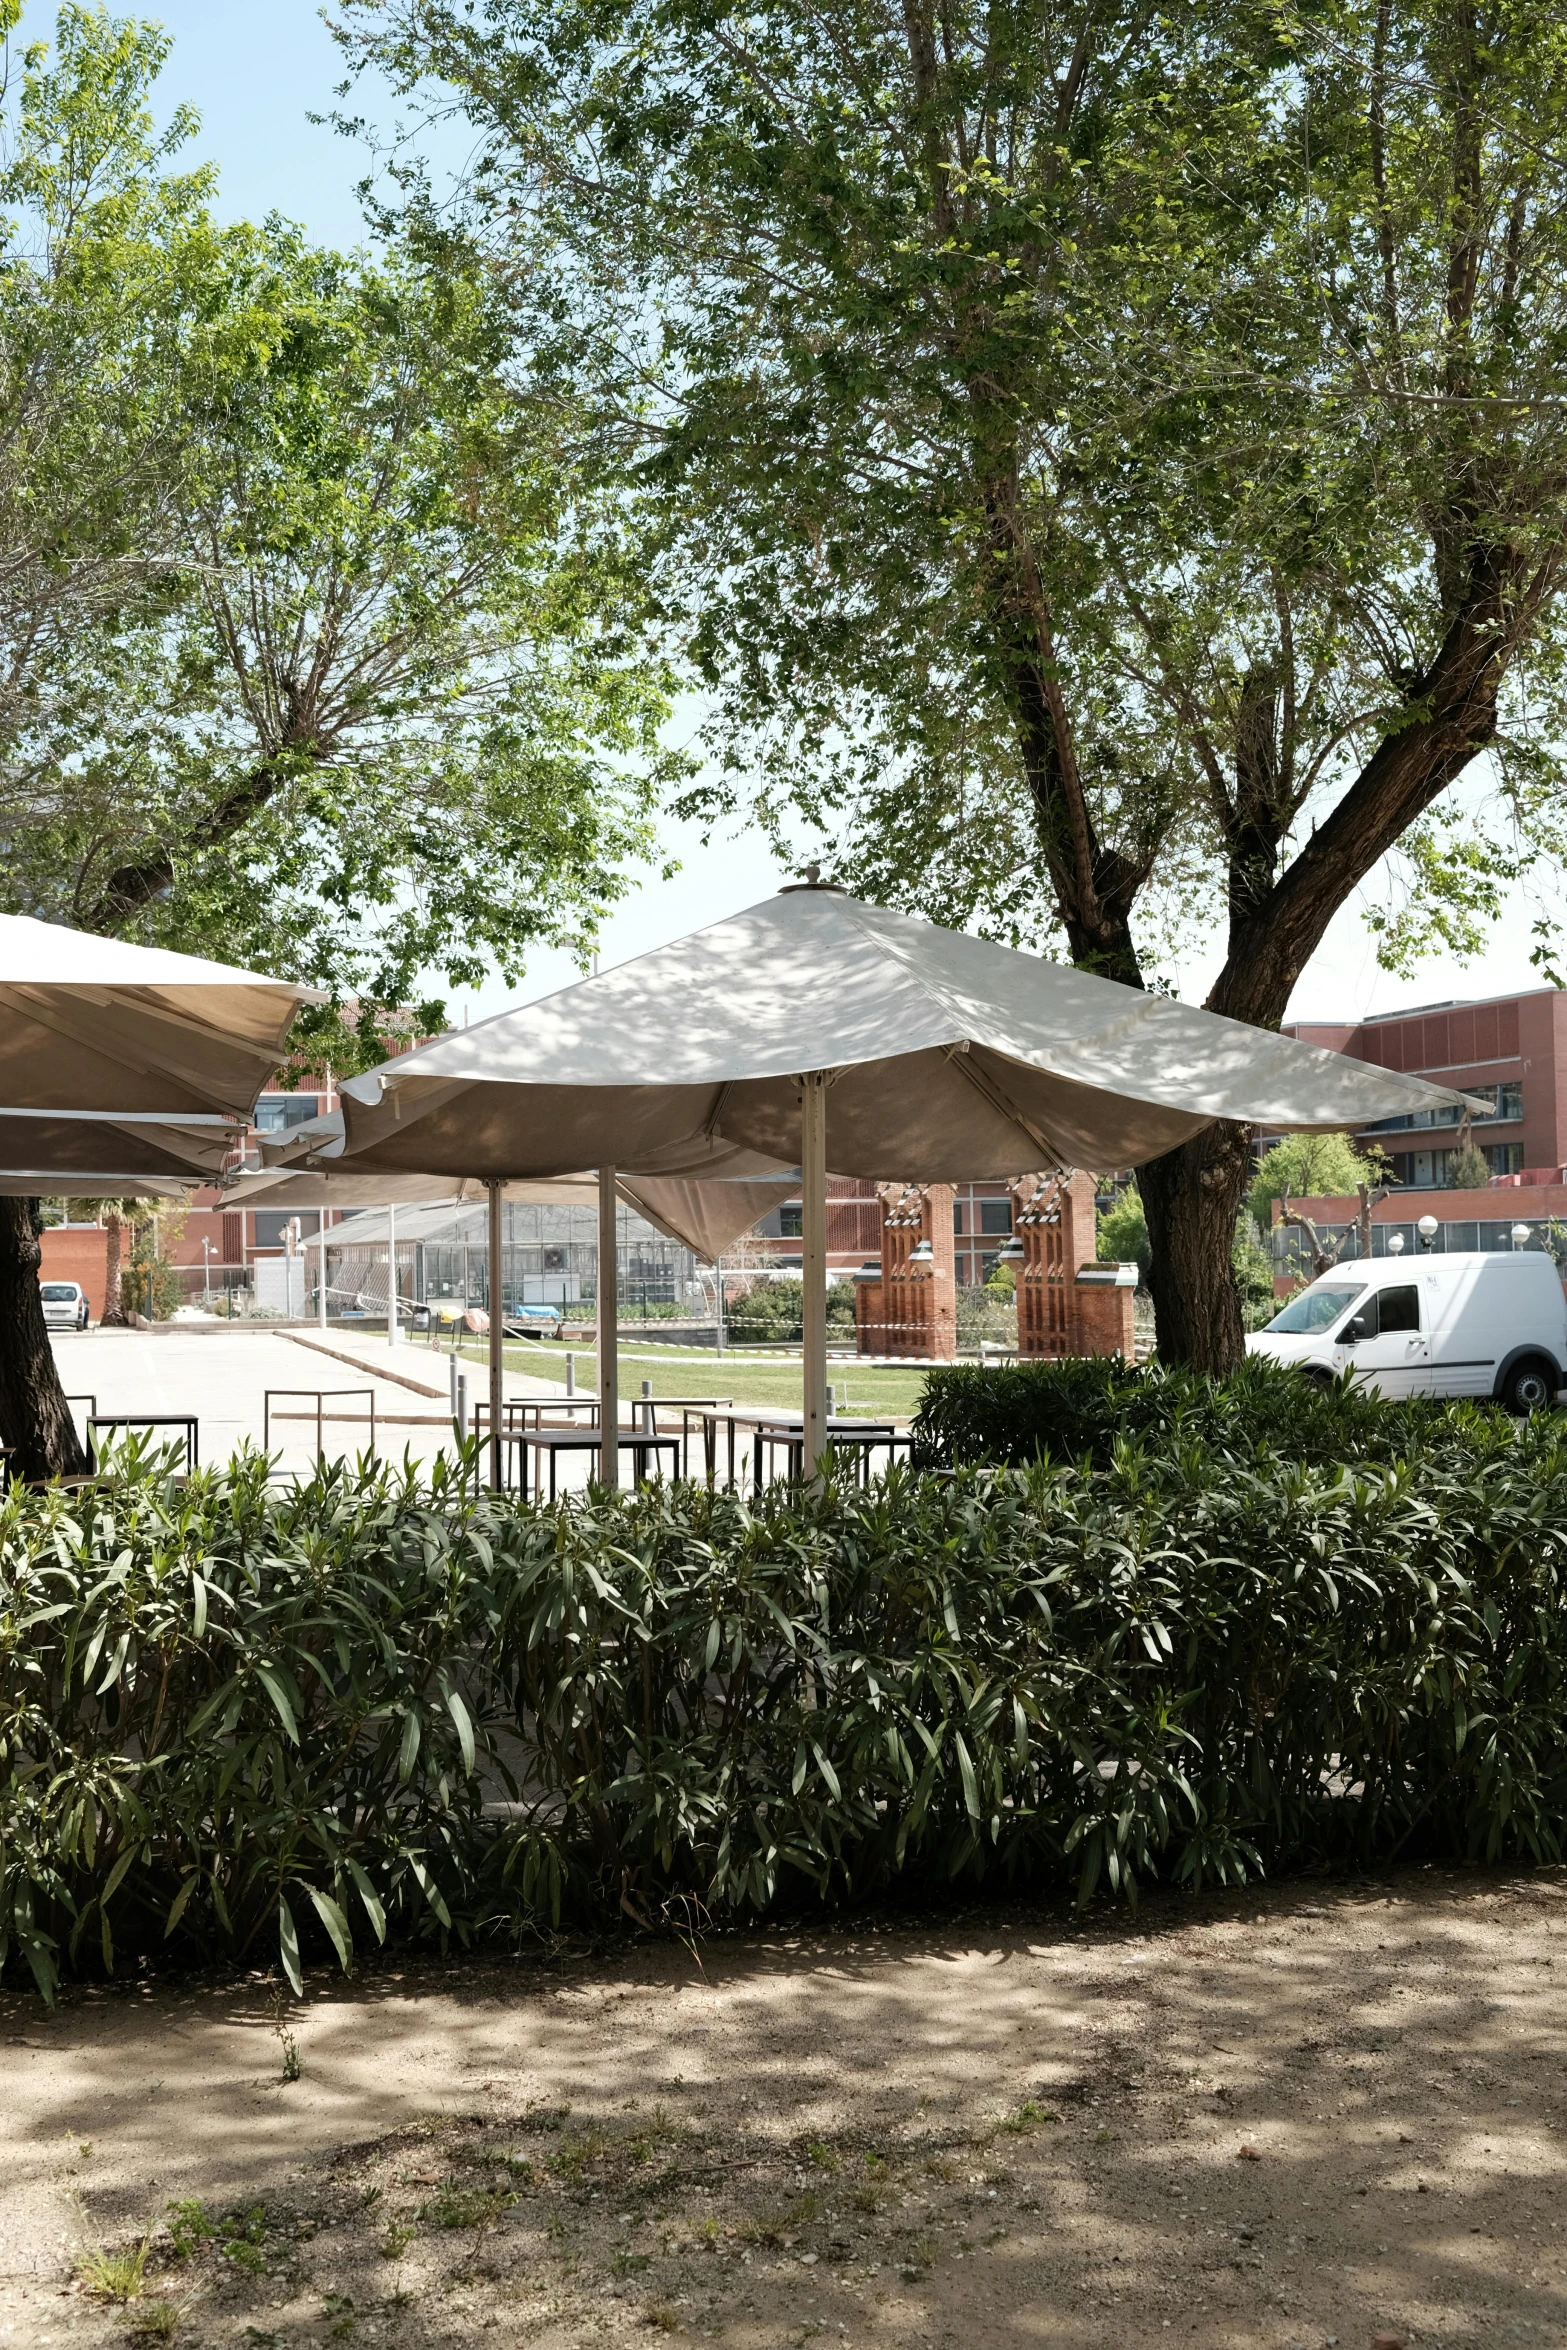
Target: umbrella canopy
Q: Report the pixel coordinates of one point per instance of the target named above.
(91, 1023)
(952, 1060)
(707, 1215)
(65, 1151)
(32, 1186)
(815, 1029)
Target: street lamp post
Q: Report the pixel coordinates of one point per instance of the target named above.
(1520, 1236)
(1428, 1228)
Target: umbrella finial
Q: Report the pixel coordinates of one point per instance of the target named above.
(813, 880)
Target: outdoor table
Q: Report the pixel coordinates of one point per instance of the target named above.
(688, 1406)
(185, 1420)
(555, 1441)
(770, 1426)
(788, 1429)
(728, 1415)
(517, 1407)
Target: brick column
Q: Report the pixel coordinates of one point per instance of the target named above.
(913, 1309)
(1056, 1219)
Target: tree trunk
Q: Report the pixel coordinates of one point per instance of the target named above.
(34, 1419)
(113, 1311)
(1191, 1197)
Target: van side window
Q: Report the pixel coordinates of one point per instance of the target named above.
(1400, 1308)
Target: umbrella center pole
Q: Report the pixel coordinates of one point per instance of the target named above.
(609, 1329)
(813, 1262)
(493, 1188)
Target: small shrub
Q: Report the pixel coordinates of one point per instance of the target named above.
(467, 2207)
(154, 2321)
(115, 2276)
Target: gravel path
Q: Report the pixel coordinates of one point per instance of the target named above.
(1292, 2116)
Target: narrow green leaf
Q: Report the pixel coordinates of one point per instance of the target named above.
(288, 1946)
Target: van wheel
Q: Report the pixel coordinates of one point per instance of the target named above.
(1530, 1386)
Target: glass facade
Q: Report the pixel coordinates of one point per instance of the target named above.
(549, 1256)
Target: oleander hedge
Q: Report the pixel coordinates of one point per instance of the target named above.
(246, 1722)
(1080, 1410)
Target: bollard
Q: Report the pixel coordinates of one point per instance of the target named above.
(647, 1408)
(571, 1374)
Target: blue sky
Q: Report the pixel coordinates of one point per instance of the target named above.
(255, 71)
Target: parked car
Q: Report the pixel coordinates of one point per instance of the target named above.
(1465, 1324)
(65, 1305)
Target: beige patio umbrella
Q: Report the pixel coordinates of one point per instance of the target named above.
(703, 1213)
(814, 1029)
(706, 1212)
(90, 1023)
(65, 1151)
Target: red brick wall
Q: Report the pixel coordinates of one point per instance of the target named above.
(78, 1252)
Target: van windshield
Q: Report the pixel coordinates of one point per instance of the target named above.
(1316, 1309)
(59, 1293)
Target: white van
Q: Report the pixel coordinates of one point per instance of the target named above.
(65, 1305)
(1466, 1324)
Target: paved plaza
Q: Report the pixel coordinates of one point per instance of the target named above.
(222, 1375)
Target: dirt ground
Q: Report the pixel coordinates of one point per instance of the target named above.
(1293, 2116)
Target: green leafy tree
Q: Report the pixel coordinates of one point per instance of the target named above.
(321, 646)
(1309, 1166)
(1112, 462)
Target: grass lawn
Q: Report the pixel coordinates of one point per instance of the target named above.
(697, 1370)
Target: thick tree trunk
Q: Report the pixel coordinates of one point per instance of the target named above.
(1192, 1197)
(34, 1419)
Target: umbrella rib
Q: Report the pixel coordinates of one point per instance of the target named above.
(959, 1056)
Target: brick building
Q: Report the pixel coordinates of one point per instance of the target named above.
(1510, 1049)
(981, 1227)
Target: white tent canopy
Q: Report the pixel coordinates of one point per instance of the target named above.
(953, 1060)
(816, 1030)
(90, 1023)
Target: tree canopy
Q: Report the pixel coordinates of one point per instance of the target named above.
(1111, 462)
(327, 646)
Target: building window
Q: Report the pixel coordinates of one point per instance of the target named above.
(1504, 1158)
(275, 1112)
(791, 1220)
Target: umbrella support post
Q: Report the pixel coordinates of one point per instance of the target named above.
(494, 1189)
(609, 1328)
(391, 1273)
(813, 1262)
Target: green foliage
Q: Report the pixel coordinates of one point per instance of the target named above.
(1123, 1233)
(1309, 1166)
(1289, 1628)
(321, 635)
(768, 1313)
(1253, 1268)
(1468, 1169)
(1081, 1410)
(1201, 362)
(149, 1283)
